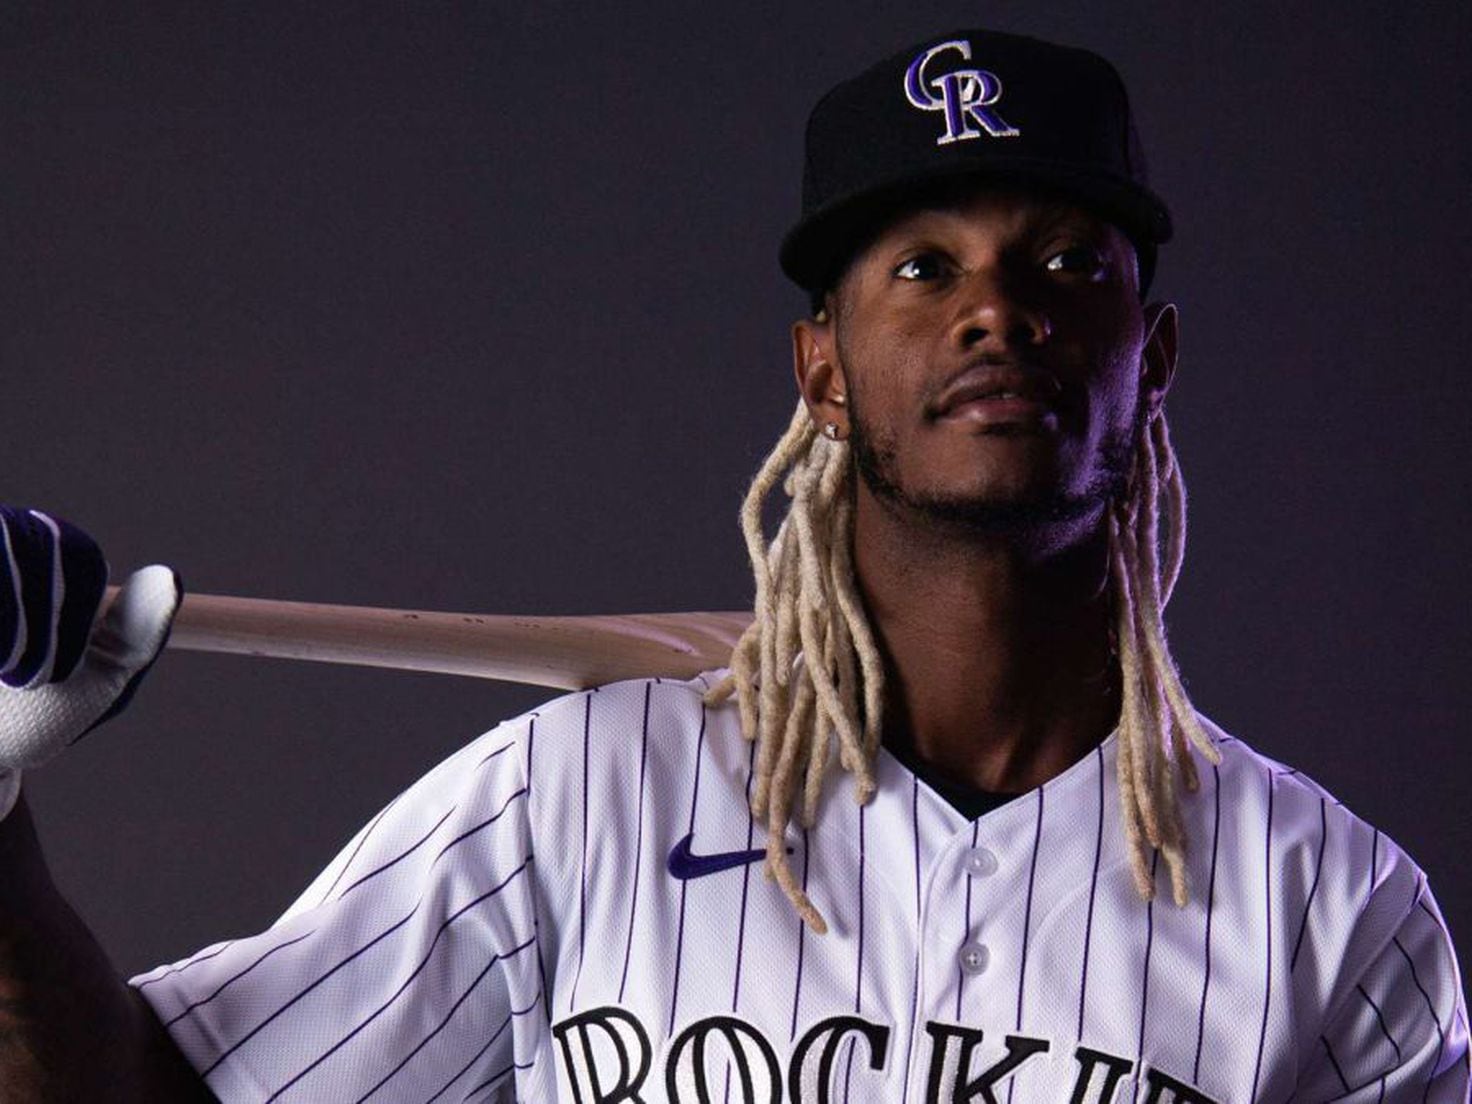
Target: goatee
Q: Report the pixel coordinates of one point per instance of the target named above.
(992, 517)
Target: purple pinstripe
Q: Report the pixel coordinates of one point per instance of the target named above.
(1267, 874)
(1145, 980)
(476, 1057)
(572, 998)
(859, 968)
(745, 887)
(638, 845)
(1093, 891)
(448, 1016)
(531, 739)
(1380, 1017)
(801, 939)
(1318, 869)
(188, 1008)
(1210, 904)
(915, 991)
(966, 931)
(362, 950)
(745, 878)
(685, 885)
(364, 839)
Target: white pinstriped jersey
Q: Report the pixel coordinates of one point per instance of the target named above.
(526, 924)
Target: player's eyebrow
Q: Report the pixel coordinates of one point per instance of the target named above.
(1065, 216)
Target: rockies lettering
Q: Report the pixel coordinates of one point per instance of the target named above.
(751, 1063)
(570, 910)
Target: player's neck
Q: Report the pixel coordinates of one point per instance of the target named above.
(997, 655)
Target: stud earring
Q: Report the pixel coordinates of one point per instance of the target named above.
(831, 431)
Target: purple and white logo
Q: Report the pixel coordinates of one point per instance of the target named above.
(966, 95)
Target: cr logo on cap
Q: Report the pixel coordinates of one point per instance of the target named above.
(965, 95)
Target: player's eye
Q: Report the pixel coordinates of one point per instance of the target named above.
(1078, 260)
(922, 266)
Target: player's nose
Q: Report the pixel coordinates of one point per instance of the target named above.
(993, 310)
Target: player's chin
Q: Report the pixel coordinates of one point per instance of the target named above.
(1042, 523)
(1017, 499)
(1000, 459)
(1007, 470)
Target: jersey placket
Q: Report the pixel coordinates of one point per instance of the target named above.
(973, 913)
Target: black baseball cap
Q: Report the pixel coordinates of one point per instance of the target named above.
(969, 105)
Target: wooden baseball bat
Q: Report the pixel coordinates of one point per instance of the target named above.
(570, 652)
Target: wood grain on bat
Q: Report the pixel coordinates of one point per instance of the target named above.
(567, 652)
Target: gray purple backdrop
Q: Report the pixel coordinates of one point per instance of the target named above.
(479, 310)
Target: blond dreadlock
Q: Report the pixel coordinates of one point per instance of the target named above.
(807, 672)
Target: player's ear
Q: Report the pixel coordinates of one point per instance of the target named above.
(1158, 356)
(820, 378)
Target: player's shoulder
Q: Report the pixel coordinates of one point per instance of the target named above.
(1355, 912)
(604, 727)
(1251, 774)
(565, 723)
(1312, 832)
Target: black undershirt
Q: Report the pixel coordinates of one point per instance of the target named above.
(970, 801)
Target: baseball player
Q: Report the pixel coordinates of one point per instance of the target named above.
(1005, 858)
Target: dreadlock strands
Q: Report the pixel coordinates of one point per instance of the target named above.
(1153, 632)
(1173, 484)
(1173, 841)
(842, 667)
(751, 508)
(778, 635)
(1156, 465)
(815, 553)
(846, 588)
(1180, 706)
(1175, 862)
(784, 640)
(1162, 473)
(794, 441)
(743, 656)
(1129, 813)
(845, 659)
(1134, 711)
(1156, 715)
(799, 729)
(1181, 751)
(819, 744)
(1141, 539)
(1138, 752)
(1160, 806)
(772, 698)
(839, 649)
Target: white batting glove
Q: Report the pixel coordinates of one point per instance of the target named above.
(62, 672)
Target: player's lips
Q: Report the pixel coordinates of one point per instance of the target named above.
(998, 394)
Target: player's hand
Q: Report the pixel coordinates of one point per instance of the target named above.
(62, 671)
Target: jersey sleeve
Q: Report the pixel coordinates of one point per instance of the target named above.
(399, 972)
(1397, 1031)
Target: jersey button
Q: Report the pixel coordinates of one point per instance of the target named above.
(980, 862)
(974, 958)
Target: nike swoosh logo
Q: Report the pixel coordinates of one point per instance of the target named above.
(684, 864)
